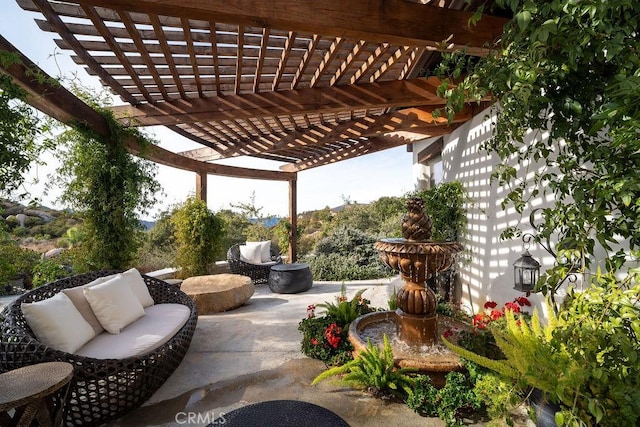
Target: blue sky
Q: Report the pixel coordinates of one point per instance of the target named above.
(364, 179)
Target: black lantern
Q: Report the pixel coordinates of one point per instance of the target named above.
(526, 271)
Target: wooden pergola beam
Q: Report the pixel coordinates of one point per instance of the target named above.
(415, 120)
(367, 146)
(393, 21)
(388, 94)
(45, 94)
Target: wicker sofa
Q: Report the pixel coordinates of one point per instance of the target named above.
(259, 273)
(101, 389)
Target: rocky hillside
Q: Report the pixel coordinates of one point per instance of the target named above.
(36, 227)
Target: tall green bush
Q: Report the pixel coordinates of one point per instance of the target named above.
(446, 205)
(108, 187)
(198, 232)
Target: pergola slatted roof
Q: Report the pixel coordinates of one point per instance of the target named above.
(303, 82)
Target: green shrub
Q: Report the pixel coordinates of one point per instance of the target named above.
(346, 254)
(198, 234)
(16, 262)
(48, 270)
(450, 403)
(325, 337)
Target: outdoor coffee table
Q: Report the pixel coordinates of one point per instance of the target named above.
(290, 278)
(280, 413)
(36, 392)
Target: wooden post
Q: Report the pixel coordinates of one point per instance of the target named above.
(201, 186)
(293, 219)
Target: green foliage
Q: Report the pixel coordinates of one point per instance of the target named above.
(197, 233)
(446, 205)
(235, 226)
(449, 403)
(498, 395)
(586, 359)
(343, 312)
(346, 254)
(373, 369)
(324, 339)
(19, 128)
(48, 270)
(381, 218)
(258, 232)
(15, 261)
(108, 187)
(570, 68)
(159, 248)
(329, 343)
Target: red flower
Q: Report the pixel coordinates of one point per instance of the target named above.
(480, 320)
(495, 314)
(332, 334)
(522, 301)
(314, 341)
(490, 304)
(512, 306)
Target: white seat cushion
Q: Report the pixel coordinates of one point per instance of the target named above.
(159, 324)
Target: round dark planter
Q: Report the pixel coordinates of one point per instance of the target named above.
(545, 410)
(290, 278)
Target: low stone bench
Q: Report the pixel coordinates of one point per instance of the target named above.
(218, 292)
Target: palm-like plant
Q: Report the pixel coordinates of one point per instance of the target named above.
(374, 370)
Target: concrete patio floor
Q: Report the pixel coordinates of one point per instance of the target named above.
(252, 354)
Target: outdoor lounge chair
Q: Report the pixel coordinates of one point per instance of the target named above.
(259, 272)
(101, 389)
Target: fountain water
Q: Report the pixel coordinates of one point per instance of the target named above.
(415, 321)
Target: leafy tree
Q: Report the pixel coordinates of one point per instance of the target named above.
(19, 128)
(198, 233)
(235, 226)
(570, 69)
(108, 187)
(445, 204)
(249, 210)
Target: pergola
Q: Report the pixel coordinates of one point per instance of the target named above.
(307, 83)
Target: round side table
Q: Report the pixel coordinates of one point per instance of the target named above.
(35, 392)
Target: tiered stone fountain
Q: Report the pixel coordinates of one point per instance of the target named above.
(415, 321)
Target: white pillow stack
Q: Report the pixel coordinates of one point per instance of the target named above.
(256, 252)
(74, 316)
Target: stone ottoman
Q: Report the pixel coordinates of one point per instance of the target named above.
(218, 292)
(290, 278)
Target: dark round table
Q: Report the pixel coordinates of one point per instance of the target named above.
(280, 413)
(290, 278)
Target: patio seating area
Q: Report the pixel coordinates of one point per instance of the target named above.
(252, 354)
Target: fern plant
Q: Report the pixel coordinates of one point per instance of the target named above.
(373, 370)
(586, 358)
(344, 311)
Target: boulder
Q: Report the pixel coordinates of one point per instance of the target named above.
(218, 292)
(52, 253)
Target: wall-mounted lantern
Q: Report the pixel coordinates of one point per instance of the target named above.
(526, 271)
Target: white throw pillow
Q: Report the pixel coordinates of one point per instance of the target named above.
(265, 251)
(135, 281)
(115, 305)
(251, 253)
(56, 322)
(76, 295)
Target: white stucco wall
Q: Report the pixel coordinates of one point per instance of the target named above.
(488, 272)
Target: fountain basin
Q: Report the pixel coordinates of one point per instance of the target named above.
(434, 359)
